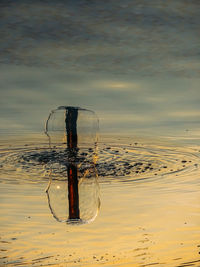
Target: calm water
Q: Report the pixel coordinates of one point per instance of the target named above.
(136, 64)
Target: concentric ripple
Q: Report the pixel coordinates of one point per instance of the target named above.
(117, 162)
(137, 161)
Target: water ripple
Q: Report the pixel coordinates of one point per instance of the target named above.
(116, 163)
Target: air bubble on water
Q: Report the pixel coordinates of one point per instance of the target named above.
(87, 127)
(89, 200)
(73, 191)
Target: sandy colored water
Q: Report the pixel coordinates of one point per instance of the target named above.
(142, 222)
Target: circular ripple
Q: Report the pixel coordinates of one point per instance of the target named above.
(117, 162)
(139, 162)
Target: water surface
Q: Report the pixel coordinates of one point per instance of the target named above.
(136, 64)
(146, 218)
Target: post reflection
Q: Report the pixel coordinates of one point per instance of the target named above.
(73, 190)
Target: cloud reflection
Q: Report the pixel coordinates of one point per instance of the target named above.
(116, 37)
(123, 103)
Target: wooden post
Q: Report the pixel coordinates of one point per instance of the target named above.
(71, 127)
(72, 172)
(73, 195)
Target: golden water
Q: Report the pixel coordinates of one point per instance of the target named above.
(145, 219)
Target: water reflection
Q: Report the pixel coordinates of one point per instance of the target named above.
(74, 198)
(76, 202)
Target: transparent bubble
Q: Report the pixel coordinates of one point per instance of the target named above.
(87, 126)
(88, 198)
(73, 191)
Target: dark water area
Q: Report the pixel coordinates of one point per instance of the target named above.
(122, 37)
(136, 64)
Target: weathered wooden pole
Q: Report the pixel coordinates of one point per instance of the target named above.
(72, 172)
